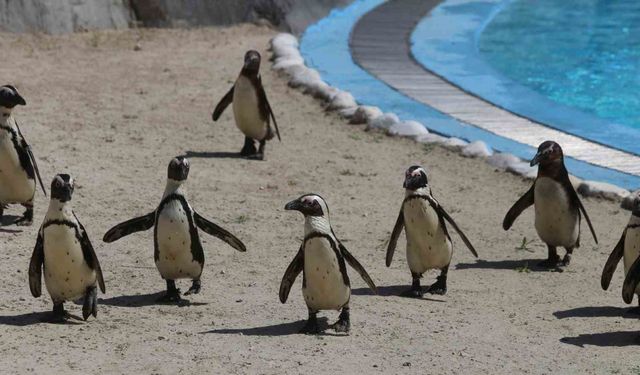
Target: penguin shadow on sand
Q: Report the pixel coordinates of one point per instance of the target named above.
(214, 155)
(604, 339)
(7, 220)
(531, 265)
(141, 300)
(42, 317)
(597, 312)
(283, 329)
(391, 291)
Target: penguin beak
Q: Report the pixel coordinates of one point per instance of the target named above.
(294, 205)
(20, 100)
(536, 159)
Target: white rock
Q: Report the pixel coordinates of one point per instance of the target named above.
(286, 61)
(305, 78)
(602, 189)
(502, 160)
(321, 90)
(384, 121)
(454, 142)
(348, 112)
(476, 149)
(430, 138)
(364, 114)
(410, 129)
(282, 43)
(522, 168)
(292, 70)
(342, 100)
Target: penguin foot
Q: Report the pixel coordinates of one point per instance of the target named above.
(343, 324)
(249, 147)
(172, 297)
(195, 288)
(413, 293)
(90, 306)
(256, 156)
(566, 260)
(24, 221)
(59, 314)
(438, 289)
(549, 263)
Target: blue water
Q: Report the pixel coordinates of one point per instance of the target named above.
(580, 53)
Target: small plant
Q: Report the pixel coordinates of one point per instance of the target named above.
(523, 269)
(354, 136)
(524, 245)
(241, 219)
(346, 172)
(292, 183)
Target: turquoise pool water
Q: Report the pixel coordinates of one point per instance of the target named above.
(580, 53)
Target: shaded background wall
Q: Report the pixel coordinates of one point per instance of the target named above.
(64, 16)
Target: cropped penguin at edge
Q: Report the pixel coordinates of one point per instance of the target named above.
(429, 244)
(251, 109)
(65, 254)
(321, 259)
(558, 209)
(18, 168)
(178, 252)
(628, 249)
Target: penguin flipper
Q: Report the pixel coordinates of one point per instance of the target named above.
(521, 204)
(353, 262)
(217, 231)
(89, 254)
(223, 104)
(35, 267)
(612, 262)
(32, 158)
(137, 224)
(395, 234)
(294, 269)
(584, 212)
(443, 214)
(267, 111)
(631, 281)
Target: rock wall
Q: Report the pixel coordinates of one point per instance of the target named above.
(64, 16)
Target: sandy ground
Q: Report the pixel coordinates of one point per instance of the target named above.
(114, 117)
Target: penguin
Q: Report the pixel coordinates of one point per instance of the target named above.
(628, 247)
(64, 253)
(18, 168)
(251, 108)
(429, 245)
(178, 252)
(558, 209)
(321, 259)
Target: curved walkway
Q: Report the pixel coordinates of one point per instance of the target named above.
(380, 44)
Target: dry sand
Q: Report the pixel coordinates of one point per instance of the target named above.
(114, 117)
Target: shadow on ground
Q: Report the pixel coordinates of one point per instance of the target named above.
(596, 311)
(391, 290)
(511, 264)
(140, 300)
(282, 329)
(23, 320)
(213, 155)
(617, 339)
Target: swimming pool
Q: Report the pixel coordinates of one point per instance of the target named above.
(580, 53)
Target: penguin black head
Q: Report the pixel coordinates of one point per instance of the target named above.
(62, 187)
(635, 208)
(178, 168)
(251, 61)
(309, 205)
(549, 152)
(415, 178)
(9, 97)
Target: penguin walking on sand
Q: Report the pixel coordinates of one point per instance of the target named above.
(18, 168)
(628, 248)
(558, 209)
(64, 253)
(321, 259)
(429, 245)
(178, 253)
(251, 108)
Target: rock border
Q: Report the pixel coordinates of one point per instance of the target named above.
(287, 59)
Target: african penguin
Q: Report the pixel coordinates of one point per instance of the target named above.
(627, 248)
(428, 242)
(178, 253)
(557, 206)
(251, 108)
(321, 259)
(64, 253)
(18, 168)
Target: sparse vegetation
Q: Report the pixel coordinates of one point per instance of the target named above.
(523, 269)
(524, 245)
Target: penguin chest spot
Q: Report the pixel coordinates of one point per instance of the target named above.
(325, 288)
(15, 185)
(246, 109)
(66, 273)
(631, 250)
(427, 244)
(555, 220)
(175, 259)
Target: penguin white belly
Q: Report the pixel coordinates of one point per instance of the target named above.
(556, 222)
(427, 245)
(631, 250)
(15, 186)
(66, 274)
(175, 260)
(246, 110)
(325, 288)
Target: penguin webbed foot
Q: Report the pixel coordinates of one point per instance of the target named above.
(311, 327)
(58, 315)
(256, 156)
(439, 287)
(343, 324)
(172, 296)
(249, 148)
(566, 260)
(24, 221)
(90, 305)
(195, 288)
(549, 263)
